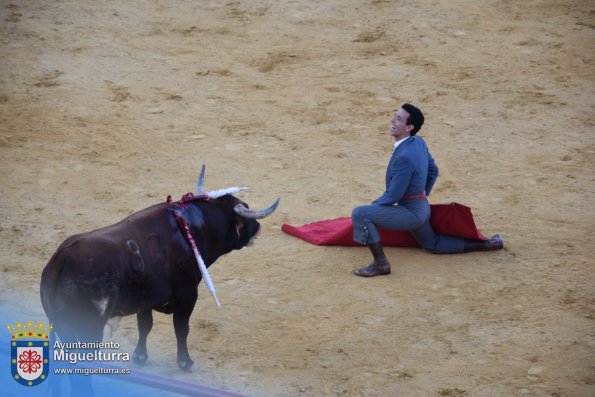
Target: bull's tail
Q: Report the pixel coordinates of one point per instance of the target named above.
(48, 291)
(50, 278)
(47, 288)
(77, 309)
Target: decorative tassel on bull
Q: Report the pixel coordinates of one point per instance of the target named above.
(152, 260)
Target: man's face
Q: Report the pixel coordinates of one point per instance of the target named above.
(398, 125)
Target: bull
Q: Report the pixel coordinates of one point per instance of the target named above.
(144, 263)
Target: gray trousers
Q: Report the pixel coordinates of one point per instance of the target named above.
(409, 215)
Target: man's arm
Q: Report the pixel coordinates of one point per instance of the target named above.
(432, 174)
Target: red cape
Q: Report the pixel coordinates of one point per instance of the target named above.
(450, 219)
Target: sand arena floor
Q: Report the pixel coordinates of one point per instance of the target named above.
(108, 107)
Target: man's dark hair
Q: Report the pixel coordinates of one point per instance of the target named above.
(416, 117)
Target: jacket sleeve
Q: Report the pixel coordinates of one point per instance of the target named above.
(432, 174)
(399, 180)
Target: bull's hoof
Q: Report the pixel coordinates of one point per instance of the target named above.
(140, 359)
(187, 365)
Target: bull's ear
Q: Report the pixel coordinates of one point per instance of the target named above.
(200, 184)
(239, 225)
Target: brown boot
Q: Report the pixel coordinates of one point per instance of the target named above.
(492, 244)
(380, 266)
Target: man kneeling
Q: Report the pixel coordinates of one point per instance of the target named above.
(410, 176)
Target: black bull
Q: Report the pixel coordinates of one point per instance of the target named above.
(140, 264)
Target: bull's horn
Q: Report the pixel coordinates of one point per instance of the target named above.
(200, 184)
(244, 212)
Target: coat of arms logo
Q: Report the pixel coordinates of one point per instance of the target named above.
(29, 352)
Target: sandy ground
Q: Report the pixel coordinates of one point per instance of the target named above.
(107, 107)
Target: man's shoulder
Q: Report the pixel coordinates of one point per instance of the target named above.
(412, 150)
(417, 139)
(412, 142)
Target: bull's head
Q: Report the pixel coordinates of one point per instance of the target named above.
(240, 231)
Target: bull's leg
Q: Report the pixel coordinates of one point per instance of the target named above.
(182, 329)
(145, 323)
(183, 309)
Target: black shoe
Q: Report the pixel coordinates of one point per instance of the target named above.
(373, 270)
(494, 243)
